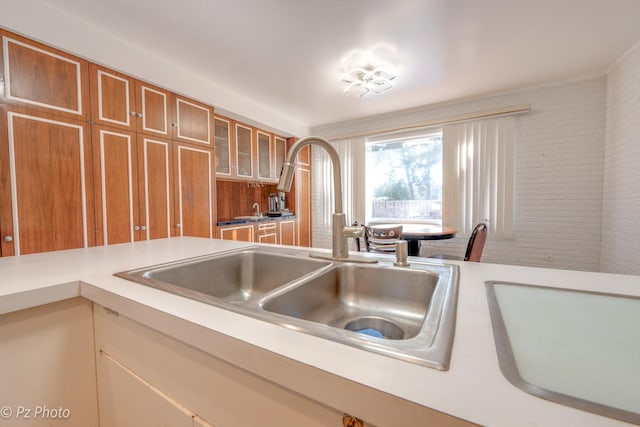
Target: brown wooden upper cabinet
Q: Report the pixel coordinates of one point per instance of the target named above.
(246, 153)
(153, 110)
(118, 100)
(46, 79)
(112, 98)
(235, 150)
(264, 160)
(223, 147)
(280, 154)
(192, 121)
(271, 153)
(243, 145)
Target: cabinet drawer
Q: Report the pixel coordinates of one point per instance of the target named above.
(267, 226)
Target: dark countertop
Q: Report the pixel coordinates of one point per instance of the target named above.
(264, 218)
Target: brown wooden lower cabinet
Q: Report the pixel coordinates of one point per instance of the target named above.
(267, 232)
(282, 232)
(303, 206)
(156, 183)
(287, 232)
(133, 186)
(46, 187)
(241, 232)
(194, 183)
(115, 167)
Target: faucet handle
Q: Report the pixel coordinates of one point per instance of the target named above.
(353, 231)
(402, 251)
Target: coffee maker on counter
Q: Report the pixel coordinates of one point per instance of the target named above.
(277, 205)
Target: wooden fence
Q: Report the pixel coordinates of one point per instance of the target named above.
(407, 209)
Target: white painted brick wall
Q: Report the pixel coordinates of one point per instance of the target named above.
(558, 169)
(621, 200)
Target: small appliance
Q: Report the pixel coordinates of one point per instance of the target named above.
(277, 205)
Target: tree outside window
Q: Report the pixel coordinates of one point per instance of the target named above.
(404, 179)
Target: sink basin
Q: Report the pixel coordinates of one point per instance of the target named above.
(381, 302)
(406, 313)
(231, 277)
(250, 217)
(572, 347)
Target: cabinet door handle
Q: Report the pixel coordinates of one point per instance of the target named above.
(143, 227)
(8, 239)
(351, 421)
(139, 115)
(132, 113)
(178, 225)
(136, 228)
(174, 124)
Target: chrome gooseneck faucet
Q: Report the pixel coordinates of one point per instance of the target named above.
(340, 231)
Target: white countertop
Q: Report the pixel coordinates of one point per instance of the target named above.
(472, 389)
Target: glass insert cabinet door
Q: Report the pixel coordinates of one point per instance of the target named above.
(280, 155)
(264, 155)
(244, 158)
(223, 147)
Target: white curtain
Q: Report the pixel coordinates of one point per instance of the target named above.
(478, 176)
(352, 158)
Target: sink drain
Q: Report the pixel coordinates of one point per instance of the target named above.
(376, 327)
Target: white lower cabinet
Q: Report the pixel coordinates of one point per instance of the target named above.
(89, 366)
(199, 422)
(47, 370)
(148, 378)
(126, 399)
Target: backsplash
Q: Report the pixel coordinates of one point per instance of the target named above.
(236, 198)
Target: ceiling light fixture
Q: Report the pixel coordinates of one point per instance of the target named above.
(363, 80)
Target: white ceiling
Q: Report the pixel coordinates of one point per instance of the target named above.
(286, 54)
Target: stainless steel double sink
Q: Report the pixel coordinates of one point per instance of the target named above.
(405, 313)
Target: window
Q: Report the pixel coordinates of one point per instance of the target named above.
(404, 178)
(459, 176)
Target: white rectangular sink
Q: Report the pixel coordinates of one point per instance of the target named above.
(580, 349)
